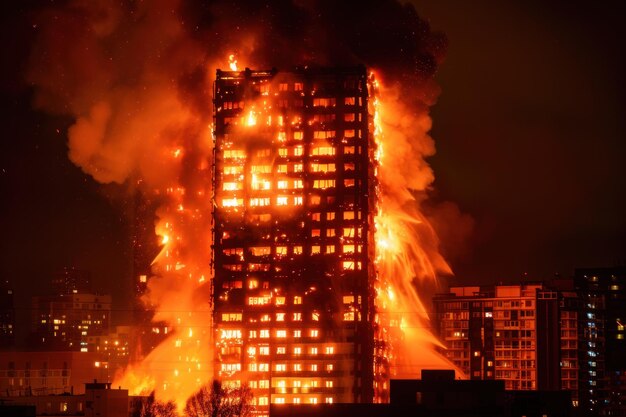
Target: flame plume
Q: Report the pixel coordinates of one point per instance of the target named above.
(135, 78)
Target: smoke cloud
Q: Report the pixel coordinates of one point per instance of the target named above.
(137, 77)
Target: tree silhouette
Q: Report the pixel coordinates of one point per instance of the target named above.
(150, 407)
(218, 400)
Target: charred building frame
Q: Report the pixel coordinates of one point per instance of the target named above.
(293, 235)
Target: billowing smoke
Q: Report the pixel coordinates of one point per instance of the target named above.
(137, 76)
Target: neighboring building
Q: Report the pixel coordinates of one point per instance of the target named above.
(39, 373)
(524, 335)
(114, 349)
(7, 317)
(439, 394)
(65, 322)
(293, 235)
(97, 400)
(603, 340)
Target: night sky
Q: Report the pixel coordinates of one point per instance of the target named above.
(529, 129)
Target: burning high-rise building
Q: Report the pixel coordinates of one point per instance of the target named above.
(294, 235)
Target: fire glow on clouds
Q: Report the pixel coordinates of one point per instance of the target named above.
(137, 79)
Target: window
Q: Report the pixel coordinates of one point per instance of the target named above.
(280, 367)
(314, 333)
(322, 150)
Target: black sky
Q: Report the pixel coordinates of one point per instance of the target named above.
(529, 129)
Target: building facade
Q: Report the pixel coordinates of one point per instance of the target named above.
(293, 235)
(66, 321)
(7, 317)
(603, 340)
(525, 335)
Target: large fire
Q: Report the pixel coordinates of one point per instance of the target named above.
(139, 121)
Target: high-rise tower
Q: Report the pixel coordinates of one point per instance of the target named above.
(293, 235)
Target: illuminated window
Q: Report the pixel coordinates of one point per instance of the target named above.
(349, 133)
(313, 351)
(261, 250)
(280, 367)
(297, 135)
(330, 367)
(298, 168)
(281, 250)
(297, 334)
(297, 317)
(262, 400)
(349, 150)
(329, 350)
(322, 150)
(329, 384)
(297, 250)
(348, 167)
(280, 316)
(264, 350)
(314, 200)
(281, 334)
(279, 400)
(282, 168)
(297, 300)
(312, 400)
(324, 102)
(283, 152)
(231, 316)
(297, 351)
(315, 249)
(281, 350)
(283, 87)
(298, 87)
(298, 151)
(315, 316)
(282, 200)
(297, 367)
(259, 202)
(264, 334)
(314, 367)
(330, 216)
(348, 265)
(264, 383)
(230, 334)
(329, 400)
(349, 117)
(349, 101)
(232, 186)
(233, 169)
(252, 334)
(234, 153)
(314, 333)
(232, 202)
(261, 169)
(280, 301)
(348, 316)
(323, 184)
(298, 200)
(316, 217)
(330, 248)
(348, 248)
(296, 400)
(348, 299)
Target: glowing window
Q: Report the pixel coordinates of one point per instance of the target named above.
(262, 400)
(281, 350)
(262, 152)
(279, 400)
(314, 367)
(348, 265)
(298, 200)
(281, 333)
(323, 184)
(330, 248)
(312, 400)
(324, 102)
(348, 167)
(315, 200)
(297, 351)
(297, 334)
(348, 299)
(315, 249)
(348, 248)
(349, 117)
(298, 86)
(297, 367)
(298, 151)
(282, 168)
(329, 400)
(297, 300)
(322, 150)
(349, 133)
(297, 250)
(283, 87)
(297, 135)
(330, 216)
(329, 350)
(330, 367)
(231, 316)
(349, 101)
(298, 168)
(348, 316)
(297, 317)
(282, 184)
(261, 169)
(298, 184)
(232, 186)
(261, 250)
(323, 134)
(282, 200)
(281, 250)
(316, 217)
(252, 334)
(315, 232)
(234, 153)
(348, 215)
(232, 202)
(313, 351)
(259, 202)
(230, 334)
(264, 334)
(314, 333)
(315, 316)
(296, 400)
(280, 301)
(261, 184)
(264, 383)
